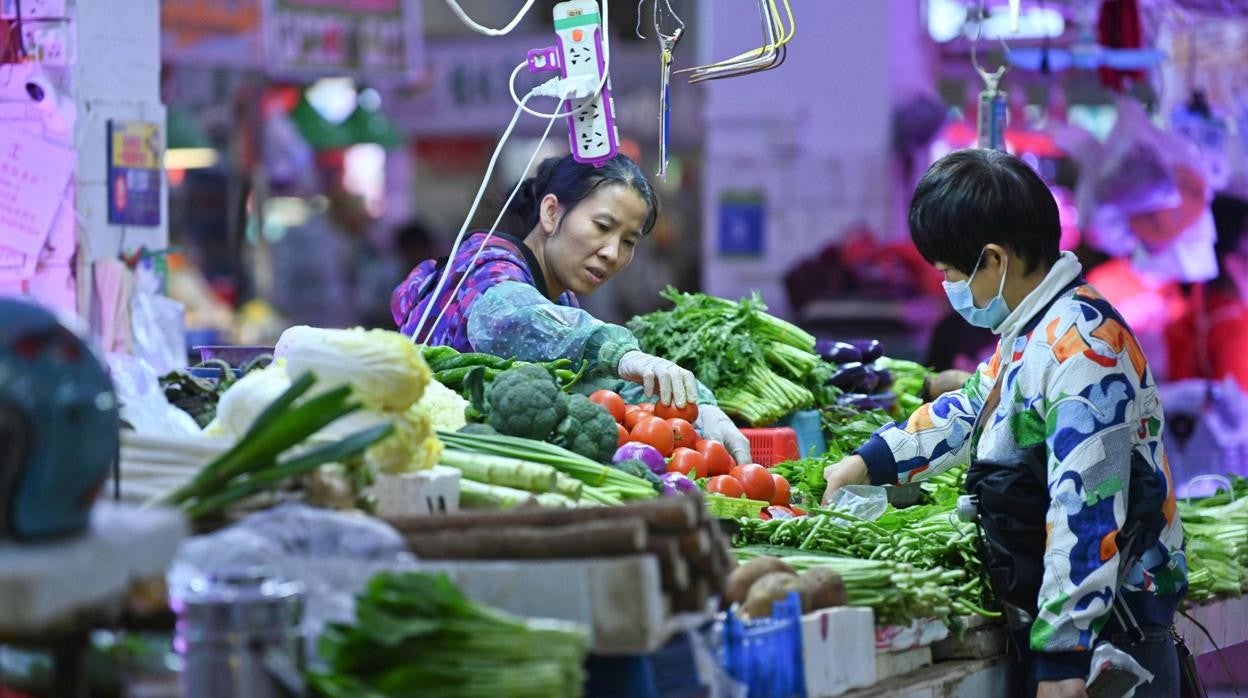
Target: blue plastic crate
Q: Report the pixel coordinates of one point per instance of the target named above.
(669, 672)
(809, 427)
(766, 654)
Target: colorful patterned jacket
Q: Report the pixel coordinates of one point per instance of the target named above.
(1076, 382)
(502, 309)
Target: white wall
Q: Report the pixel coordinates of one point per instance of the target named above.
(116, 76)
(813, 135)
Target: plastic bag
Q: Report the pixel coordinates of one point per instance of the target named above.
(157, 324)
(867, 502)
(333, 554)
(1105, 658)
(143, 402)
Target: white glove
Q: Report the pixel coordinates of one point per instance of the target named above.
(673, 384)
(714, 424)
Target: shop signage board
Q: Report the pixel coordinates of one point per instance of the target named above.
(742, 221)
(211, 33)
(135, 156)
(378, 41)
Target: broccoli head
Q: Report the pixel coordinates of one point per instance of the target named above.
(588, 429)
(526, 402)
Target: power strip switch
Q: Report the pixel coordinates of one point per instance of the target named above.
(591, 127)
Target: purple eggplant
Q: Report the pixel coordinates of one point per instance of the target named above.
(858, 401)
(848, 377)
(871, 349)
(836, 352)
(884, 379)
(886, 400)
(870, 381)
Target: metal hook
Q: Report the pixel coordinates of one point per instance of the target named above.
(637, 28)
(993, 79)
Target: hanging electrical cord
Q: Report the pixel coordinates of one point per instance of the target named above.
(463, 17)
(493, 226)
(602, 82)
(489, 172)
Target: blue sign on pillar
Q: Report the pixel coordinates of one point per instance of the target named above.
(742, 217)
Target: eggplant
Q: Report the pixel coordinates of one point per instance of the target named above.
(886, 400)
(870, 349)
(836, 352)
(869, 381)
(848, 377)
(858, 401)
(884, 379)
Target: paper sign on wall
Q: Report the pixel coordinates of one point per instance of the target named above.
(134, 163)
(33, 177)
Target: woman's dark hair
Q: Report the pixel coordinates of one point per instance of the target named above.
(974, 197)
(1230, 219)
(571, 182)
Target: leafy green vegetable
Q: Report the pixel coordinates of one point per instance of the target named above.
(417, 634)
(736, 349)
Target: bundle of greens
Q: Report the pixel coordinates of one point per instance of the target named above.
(454, 369)
(416, 634)
(251, 466)
(1216, 531)
(755, 364)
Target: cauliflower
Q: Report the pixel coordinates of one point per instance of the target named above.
(526, 402)
(385, 370)
(444, 406)
(588, 430)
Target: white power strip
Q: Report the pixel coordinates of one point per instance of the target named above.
(592, 132)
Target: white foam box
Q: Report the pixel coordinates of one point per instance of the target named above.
(420, 493)
(619, 599)
(838, 649)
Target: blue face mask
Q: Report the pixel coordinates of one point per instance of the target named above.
(990, 316)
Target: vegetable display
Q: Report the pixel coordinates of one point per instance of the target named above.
(1216, 531)
(417, 634)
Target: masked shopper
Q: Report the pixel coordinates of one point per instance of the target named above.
(1062, 428)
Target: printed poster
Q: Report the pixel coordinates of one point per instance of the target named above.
(134, 173)
(33, 176)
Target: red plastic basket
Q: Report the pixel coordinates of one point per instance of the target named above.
(772, 445)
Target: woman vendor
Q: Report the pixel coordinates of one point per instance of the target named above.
(1062, 428)
(516, 295)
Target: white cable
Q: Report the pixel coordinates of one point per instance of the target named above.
(463, 17)
(485, 181)
(490, 233)
(602, 82)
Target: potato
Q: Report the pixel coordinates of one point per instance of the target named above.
(821, 588)
(744, 576)
(770, 588)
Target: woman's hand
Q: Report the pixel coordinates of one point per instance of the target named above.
(852, 470)
(673, 384)
(716, 425)
(1066, 688)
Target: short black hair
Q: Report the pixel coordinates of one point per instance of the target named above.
(971, 198)
(571, 182)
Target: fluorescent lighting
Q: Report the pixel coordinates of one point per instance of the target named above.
(190, 158)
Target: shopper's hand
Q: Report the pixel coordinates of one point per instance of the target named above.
(714, 424)
(941, 383)
(673, 384)
(1066, 688)
(851, 470)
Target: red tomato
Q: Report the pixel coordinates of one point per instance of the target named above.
(764, 515)
(718, 460)
(783, 493)
(725, 485)
(689, 412)
(686, 461)
(623, 435)
(756, 481)
(682, 432)
(610, 401)
(633, 416)
(656, 432)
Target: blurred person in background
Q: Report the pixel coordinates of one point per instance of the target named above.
(1208, 340)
